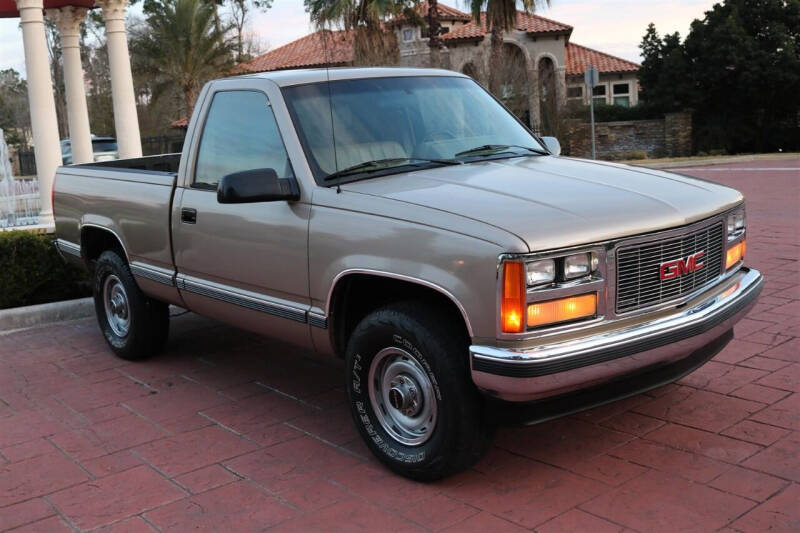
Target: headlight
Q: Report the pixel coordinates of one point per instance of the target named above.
(736, 224)
(539, 272)
(548, 290)
(577, 266)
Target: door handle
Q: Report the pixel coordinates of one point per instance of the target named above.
(188, 215)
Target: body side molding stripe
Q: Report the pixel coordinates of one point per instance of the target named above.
(256, 304)
(159, 275)
(68, 247)
(317, 320)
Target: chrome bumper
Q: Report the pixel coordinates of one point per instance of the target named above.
(561, 367)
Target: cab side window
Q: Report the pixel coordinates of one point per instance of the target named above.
(239, 134)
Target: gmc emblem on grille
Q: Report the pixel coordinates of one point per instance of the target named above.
(679, 267)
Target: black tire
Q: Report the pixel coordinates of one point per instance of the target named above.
(148, 325)
(460, 435)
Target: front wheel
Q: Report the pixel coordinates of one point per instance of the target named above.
(133, 325)
(410, 392)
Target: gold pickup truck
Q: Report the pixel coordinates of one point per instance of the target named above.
(404, 221)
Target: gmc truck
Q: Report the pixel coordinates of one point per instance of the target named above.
(405, 221)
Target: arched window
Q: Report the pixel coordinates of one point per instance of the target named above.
(547, 95)
(512, 73)
(470, 70)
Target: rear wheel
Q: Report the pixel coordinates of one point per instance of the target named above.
(133, 325)
(410, 392)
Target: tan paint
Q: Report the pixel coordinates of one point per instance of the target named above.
(443, 228)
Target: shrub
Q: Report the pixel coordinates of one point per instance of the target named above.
(629, 155)
(614, 113)
(31, 271)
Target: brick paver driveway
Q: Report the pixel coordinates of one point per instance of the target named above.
(229, 432)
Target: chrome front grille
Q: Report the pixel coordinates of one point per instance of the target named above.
(639, 282)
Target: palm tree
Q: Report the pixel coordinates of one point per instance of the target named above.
(372, 44)
(501, 16)
(182, 46)
(434, 33)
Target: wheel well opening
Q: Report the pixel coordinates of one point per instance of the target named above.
(357, 295)
(95, 241)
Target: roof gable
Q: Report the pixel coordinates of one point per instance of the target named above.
(324, 47)
(445, 12)
(527, 22)
(580, 57)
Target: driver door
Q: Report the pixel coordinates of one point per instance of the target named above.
(245, 264)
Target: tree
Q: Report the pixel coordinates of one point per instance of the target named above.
(14, 116)
(665, 72)
(53, 39)
(182, 47)
(434, 33)
(238, 16)
(738, 69)
(94, 56)
(746, 71)
(239, 11)
(501, 16)
(372, 44)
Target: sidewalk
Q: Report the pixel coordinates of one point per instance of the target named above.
(701, 161)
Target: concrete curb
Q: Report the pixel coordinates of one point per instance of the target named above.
(37, 315)
(704, 162)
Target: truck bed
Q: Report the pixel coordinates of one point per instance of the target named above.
(130, 197)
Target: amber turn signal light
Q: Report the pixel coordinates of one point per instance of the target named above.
(512, 304)
(735, 254)
(562, 309)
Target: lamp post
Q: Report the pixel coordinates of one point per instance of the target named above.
(592, 78)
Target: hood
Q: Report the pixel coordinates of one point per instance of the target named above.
(554, 202)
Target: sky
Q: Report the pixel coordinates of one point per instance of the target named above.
(612, 26)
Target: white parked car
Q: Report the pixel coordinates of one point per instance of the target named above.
(103, 149)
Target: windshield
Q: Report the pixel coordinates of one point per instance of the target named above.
(401, 124)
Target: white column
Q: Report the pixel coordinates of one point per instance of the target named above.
(68, 19)
(126, 121)
(44, 123)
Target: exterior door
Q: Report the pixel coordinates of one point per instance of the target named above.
(245, 264)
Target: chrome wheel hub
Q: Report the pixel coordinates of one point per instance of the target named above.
(402, 396)
(115, 301)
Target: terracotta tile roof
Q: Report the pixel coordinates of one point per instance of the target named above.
(527, 22)
(465, 32)
(320, 48)
(579, 57)
(535, 24)
(445, 12)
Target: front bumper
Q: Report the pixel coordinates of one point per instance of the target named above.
(528, 374)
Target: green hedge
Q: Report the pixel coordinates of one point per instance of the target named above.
(31, 272)
(614, 113)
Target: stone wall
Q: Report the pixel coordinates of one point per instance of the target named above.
(630, 139)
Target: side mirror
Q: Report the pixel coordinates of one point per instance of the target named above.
(258, 185)
(552, 144)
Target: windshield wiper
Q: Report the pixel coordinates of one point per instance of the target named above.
(382, 164)
(496, 148)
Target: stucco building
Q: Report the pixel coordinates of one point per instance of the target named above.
(541, 69)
